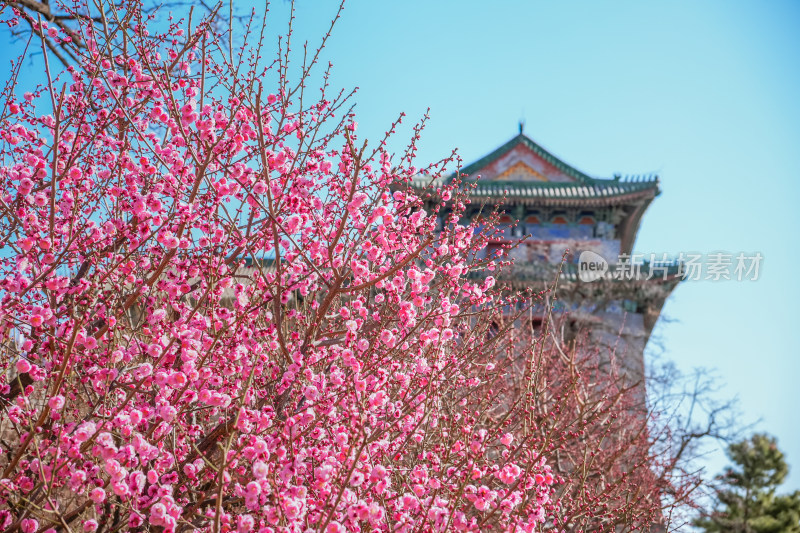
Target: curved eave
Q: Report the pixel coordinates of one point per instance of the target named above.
(512, 197)
(629, 227)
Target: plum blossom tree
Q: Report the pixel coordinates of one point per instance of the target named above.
(63, 37)
(221, 310)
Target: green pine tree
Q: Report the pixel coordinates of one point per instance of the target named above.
(746, 500)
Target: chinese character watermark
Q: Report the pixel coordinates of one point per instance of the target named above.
(692, 266)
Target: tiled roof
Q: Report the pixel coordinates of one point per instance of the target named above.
(600, 191)
(560, 190)
(584, 188)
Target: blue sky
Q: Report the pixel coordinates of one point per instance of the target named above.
(707, 94)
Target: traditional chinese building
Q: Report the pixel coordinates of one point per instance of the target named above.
(589, 222)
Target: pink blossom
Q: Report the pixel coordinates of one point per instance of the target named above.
(157, 513)
(335, 527)
(85, 431)
(244, 523)
(177, 380)
(378, 473)
(119, 488)
(377, 399)
(253, 488)
(23, 366)
(509, 473)
(292, 508)
(311, 393)
(190, 471)
(387, 337)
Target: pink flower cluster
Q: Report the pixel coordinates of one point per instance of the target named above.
(227, 315)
